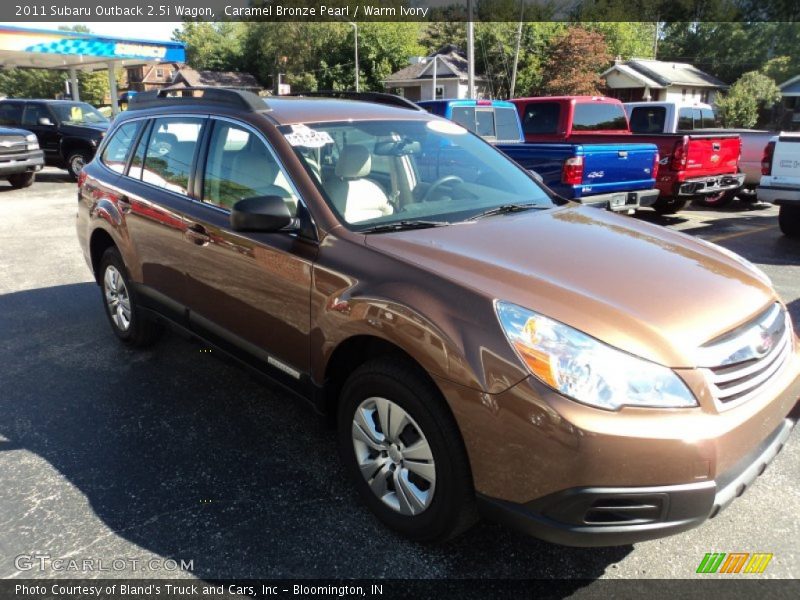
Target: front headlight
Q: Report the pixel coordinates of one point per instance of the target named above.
(33, 142)
(586, 369)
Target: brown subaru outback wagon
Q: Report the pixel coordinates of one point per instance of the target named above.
(484, 347)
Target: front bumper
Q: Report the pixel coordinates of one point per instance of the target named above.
(713, 184)
(599, 516)
(32, 161)
(622, 201)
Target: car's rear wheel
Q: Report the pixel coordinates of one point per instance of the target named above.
(22, 180)
(404, 451)
(76, 160)
(789, 220)
(128, 321)
(669, 206)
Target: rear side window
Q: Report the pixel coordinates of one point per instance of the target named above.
(648, 119)
(506, 124)
(541, 117)
(10, 113)
(170, 151)
(115, 154)
(686, 119)
(597, 116)
(464, 116)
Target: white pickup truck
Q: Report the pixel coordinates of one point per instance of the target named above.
(678, 117)
(780, 180)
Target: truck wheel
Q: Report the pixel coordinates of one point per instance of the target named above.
(76, 161)
(717, 200)
(789, 220)
(22, 180)
(404, 452)
(669, 206)
(129, 323)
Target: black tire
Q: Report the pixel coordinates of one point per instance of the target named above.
(669, 206)
(142, 330)
(22, 180)
(789, 220)
(76, 160)
(717, 200)
(452, 508)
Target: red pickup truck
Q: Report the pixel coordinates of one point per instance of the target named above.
(690, 165)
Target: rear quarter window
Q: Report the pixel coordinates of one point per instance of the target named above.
(596, 116)
(115, 154)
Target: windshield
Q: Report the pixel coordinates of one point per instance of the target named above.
(78, 113)
(383, 172)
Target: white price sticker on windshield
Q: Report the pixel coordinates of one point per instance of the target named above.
(301, 135)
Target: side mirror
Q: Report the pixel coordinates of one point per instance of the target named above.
(536, 176)
(261, 213)
(46, 121)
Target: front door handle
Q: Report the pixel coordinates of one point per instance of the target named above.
(197, 235)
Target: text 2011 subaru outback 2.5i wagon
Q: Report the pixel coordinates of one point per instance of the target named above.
(477, 347)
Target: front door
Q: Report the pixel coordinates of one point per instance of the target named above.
(248, 289)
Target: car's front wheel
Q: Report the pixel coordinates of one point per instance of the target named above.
(404, 451)
(789, 220)
(128, 321)
(22, 180)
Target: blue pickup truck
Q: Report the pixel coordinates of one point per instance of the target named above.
(618, 176)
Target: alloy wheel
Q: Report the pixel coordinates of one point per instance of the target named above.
(117, 298)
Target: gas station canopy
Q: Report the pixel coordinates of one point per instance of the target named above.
(71, 51)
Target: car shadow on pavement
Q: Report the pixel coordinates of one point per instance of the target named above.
(190, 457)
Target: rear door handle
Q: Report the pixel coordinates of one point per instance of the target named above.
(197, 235)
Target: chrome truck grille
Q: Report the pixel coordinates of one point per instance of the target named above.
(740, 363)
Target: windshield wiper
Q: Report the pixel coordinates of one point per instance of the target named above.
(504, 209)
(403, 225)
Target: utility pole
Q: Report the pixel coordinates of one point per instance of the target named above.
(470, 52)
(655, 41)
(355, 35)
(516, 50)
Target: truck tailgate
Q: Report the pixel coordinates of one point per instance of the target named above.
(617, 167)
(712, 154)
(786, 160)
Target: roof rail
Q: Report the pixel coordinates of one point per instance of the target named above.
(209, 96)
(375, 97)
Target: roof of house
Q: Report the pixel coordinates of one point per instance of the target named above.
(660, 74)
(448, 58)
(187, 76)
(791, 87)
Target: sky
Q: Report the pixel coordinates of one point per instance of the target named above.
(147, 31)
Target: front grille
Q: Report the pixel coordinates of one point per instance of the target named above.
(739, 364)
(13, 144)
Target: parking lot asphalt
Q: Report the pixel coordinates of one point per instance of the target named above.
(109, 453)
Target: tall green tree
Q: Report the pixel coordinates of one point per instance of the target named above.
(751, 93)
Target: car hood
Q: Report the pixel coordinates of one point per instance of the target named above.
(645, 289)
(93, 130)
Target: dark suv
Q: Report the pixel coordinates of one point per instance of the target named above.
(468, 332)
(69, 132)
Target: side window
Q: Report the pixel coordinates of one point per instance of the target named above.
(685, 119)
(709, 118)
(170, 150)
(10, 113)
(484, 120)
(34, 112)
(541, 117)
(137, 161)
(464, 116)
(118, 147)
(239, 166)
